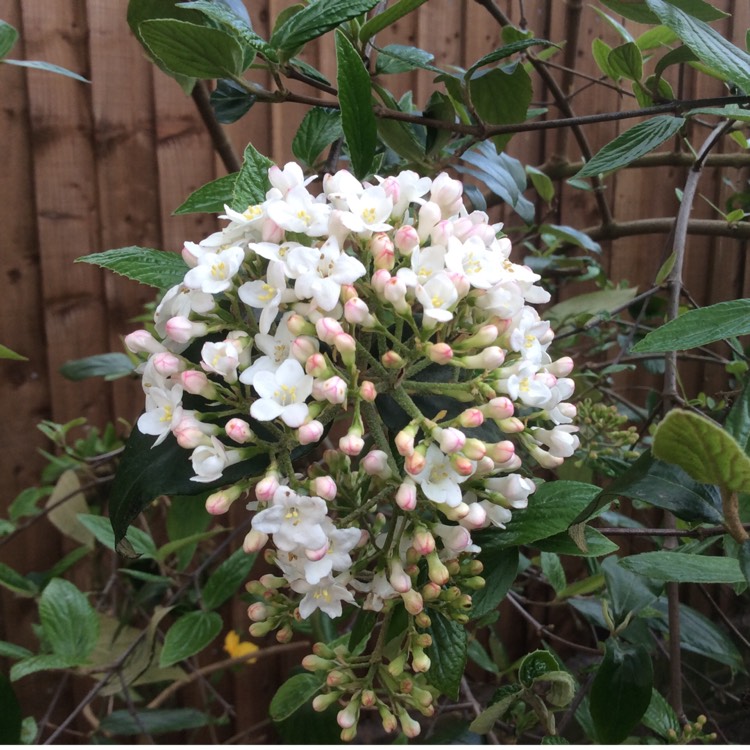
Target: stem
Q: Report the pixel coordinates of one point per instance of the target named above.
(222, 144)
(378, 434)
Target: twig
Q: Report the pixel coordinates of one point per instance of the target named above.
(221, 143)
(700, 533)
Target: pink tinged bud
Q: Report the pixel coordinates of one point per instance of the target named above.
(142, 342)
(239, 431)
(348, 291)
(300, 326)
(547, 337)
(313, 663)
(379, 279)
(420, 662)
(406, 495)
(392, 360)
(471, 418)
(476, 518)
(369, 698)
(254, 541)
(474, 449)
(406, 240)
(324, 487)
(220, 502)
(392, 188)
(356, 312)
(317, 554)
(285, 634)
(511, 425)
(189, 434)
(415, 463)
(302, 348)
(562, 367)
(334, 390)
(461, 282)
(271, 232)
(327, 329)
(449, 439)
(398, 578)
(197, 383)
(501, 452)
(567, 410)
(484, 466)
(190, 258)
(322, 702)
(367, 391)
(394, 292)
(166, 364)
(381, 247)
(346, 346)
(266, 488)
(437, 572)
(317, 366)
(182, 330)
(412, 601)
(462, 465)
(513, 463)
(489, 359)
(423, 542)
(442, 232)
(440, 353)
(257, 612)
(311, 432)
(485, 336)
(457, 513)
(375, 463)
(335, 678)
(546, 378)
(499, 408)
(409, 726)
(352, 444)
(404, 441)
(348, 716)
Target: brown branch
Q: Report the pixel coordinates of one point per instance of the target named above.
(664, 225)
(219, 139)
(700, 533)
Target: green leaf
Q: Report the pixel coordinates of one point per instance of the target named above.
(684, 568)
(676, 56)
(447, 654)
(108, 366)
(319, 128)
(553, 571)
(188, 49)
(10, 716)
(632, 144)
(295, 693)
(503, 699)
(590, 304)
(153, 721)
(600, 52)
(743, 558)
(389, 16)
(628, 592)
(542, 184)
(101, 528)
(658, 36)
(703, 449)
(355, 97)
(398, 58)
(189, 635)
(663, 485)
(500, 570)
(535, 665)
(227, 578)
(251, 183)
(25, 503)
(476, 653)
(710, 46)
(572, 236)
(6, 353)
(506, 51)
(69, 622)
(597, 545)
(13, 651)
(660, 716)
(501, 98)
(8, 37)
(626, 61)
(315, 20)
(142, 264)
(38, 663)
(230, 101)
(399, 136)
(186, 517)
(621, 691)
(48, 67)
(211, 197)
(17, 583)
(699, 327)
(639, 12)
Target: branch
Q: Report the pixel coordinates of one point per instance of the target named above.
(664, 225)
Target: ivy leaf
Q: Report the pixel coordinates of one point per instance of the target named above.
(319, 128)
(698, 327)
(389, 16)
(355, 97)
(632, 144)
(447, 653)
(252, 181)
(155, 268)
(295, 693)
(227, 578)
(621, 691)
(211, 197)
(189, 635)
(69, 622)
(8, 37)
(684, 568)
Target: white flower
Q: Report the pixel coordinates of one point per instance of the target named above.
(368, 212)
(163, 412)
(513, 487)
(340, 186)
(425, 263)
(221, 358)
(214, 271)
(209, 461)
(299, 212)
(527, 330)
(282, 394)
(291, 176)
(294, 520)
(561, 440)
(180, 301)
(437, 296)
(439, 480)
(340, 543)
(276, 350)
(267, 295)
(475, 260)
(327, 596)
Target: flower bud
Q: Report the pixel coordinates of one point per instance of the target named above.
(167, 364)
(397, 665)
(471, 418)
(499, 408)
(190, 433)
(437, 572)
(406, 495)
(367, 391)
(219, 502)
(285, 634)
(381, 247)
(456, 513)
(404, 440)
(324, 487)
(511, 425)
(260, 629)
(476, 518)
(428, 217)
(449, 439)
(266, 488)
(257, 612)
(423, 541)
(346, 346)
(311, 432)
(379, 279)
(183, 330)
(412, 602)
(409, 726)
(271, 232)
(387, 718)
(352, 443)
(322, 702)
(375, 464)
(462, 465)
(302, 348)
(406, 239)
(440, 353)
(394, 291)
(398, 578)
(474, 450)
(335, 678)
(392, 360)
(317, 366)
(422, 620)
(197, 383)
(313, 663)
(334, 390)
(300, 326)
(430, 591)
(239, 431)
(485, 336)
(142, 342)
(488, 359)
(416, 462)
(356, 312)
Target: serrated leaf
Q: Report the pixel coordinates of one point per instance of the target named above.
(626, 61)
(447, 653)
(251, 183)
(711, 47)
(506, 51)
(592, 303)
(500, 570)
(597, 545)
(355, 97)
(495, 711)
(109, 366)
(153, 721)
(227, 579)
(189, 635)
(101, 528)
(188, 49)
(38, 663)
(637, 11)
(684, 568)
(142, 264)
(47, 67)
(698, 327)
(10, 716)
(315, 20)
(319, 128)
(211, 197)
(14, 651)
(8, 37)
(389, 16)
(632, 144)
(621, 691)
(553, 571)
(69, 622)
(399, 58)
(536, 665)
(708, 453)
(230, 101)
(295, 693)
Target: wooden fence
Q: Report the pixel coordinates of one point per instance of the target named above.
(91, 167)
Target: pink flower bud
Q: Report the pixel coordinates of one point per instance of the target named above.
(442, 232)
(254, 541)
(406, 239)
(190, 433)
(488, 359)
(412, 601)
(257, 612)
(440, 353)
(484, 466)
(266, 488)
(511, 425)
(379, 279)
(404, 441)
(197, 383)
(449, 439)
(239, 431)
(352, 444)
(561, 368)
(356, 312)
(392, 188)
(317, 366)
(324, 487)
(501, 452)
(302, 348)
(375, 463)
(462, 465)
(392, 360)
(499, 408)
(183, 330)
(485, 336)
(219, 502)
(348, 716)
(423, 541)
(334, 390)
(311, 432)
(476, 518)
(367, 391)
(394, 292)
(317, 554)
(299, 326)
(415, 463)
(167, 364)
(406, 495)
(271, 232)
(431, 591)
(190, 253)
(474, 449)
(409, 726)
(327, 329)
(346, 346)
(398, 578)
(381, 247)
(471, 418)
(142, 342)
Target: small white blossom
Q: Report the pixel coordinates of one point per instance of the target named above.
(282, 394)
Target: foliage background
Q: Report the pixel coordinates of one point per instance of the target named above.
(93, 167)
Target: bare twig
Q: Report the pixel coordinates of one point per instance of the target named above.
(221, 143)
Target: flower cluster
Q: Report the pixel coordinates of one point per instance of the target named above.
(387, 324)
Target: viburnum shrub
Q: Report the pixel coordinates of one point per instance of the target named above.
(384, 326)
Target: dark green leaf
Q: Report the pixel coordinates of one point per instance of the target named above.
(744, 560)
(501, 98)
(25, 503)
(398, 58)
(295, 693)
(109, 366)
(38, 663)
(10, 716)
(628, 592)
(621, 691)
(597, 545)
(153, 721)
(48, 67)
(674, 57)
(711, 47)
(189, 635)
(500, 570)
(142, 264)
(101, 528)
(502, 53)
(447, 654)
(476, 653)
(69, 622)
(362, 629)
(703, 449)
(632, 144)
(626, 61)
(8, 37)
(535, 665)
(230, 101)
(251, 183)
(14, 581)
(684, 568)
(306, 725)
(639, 12)
(660, 716)
(503, 699)
(390, 15)
(355, 97)
(553, 571)
(399, 136)
(315, 20)
(211, 198)
(581, 239)
(699, 327)
(227, 578)
(188, 49)
(319, 128)
(186, 517)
